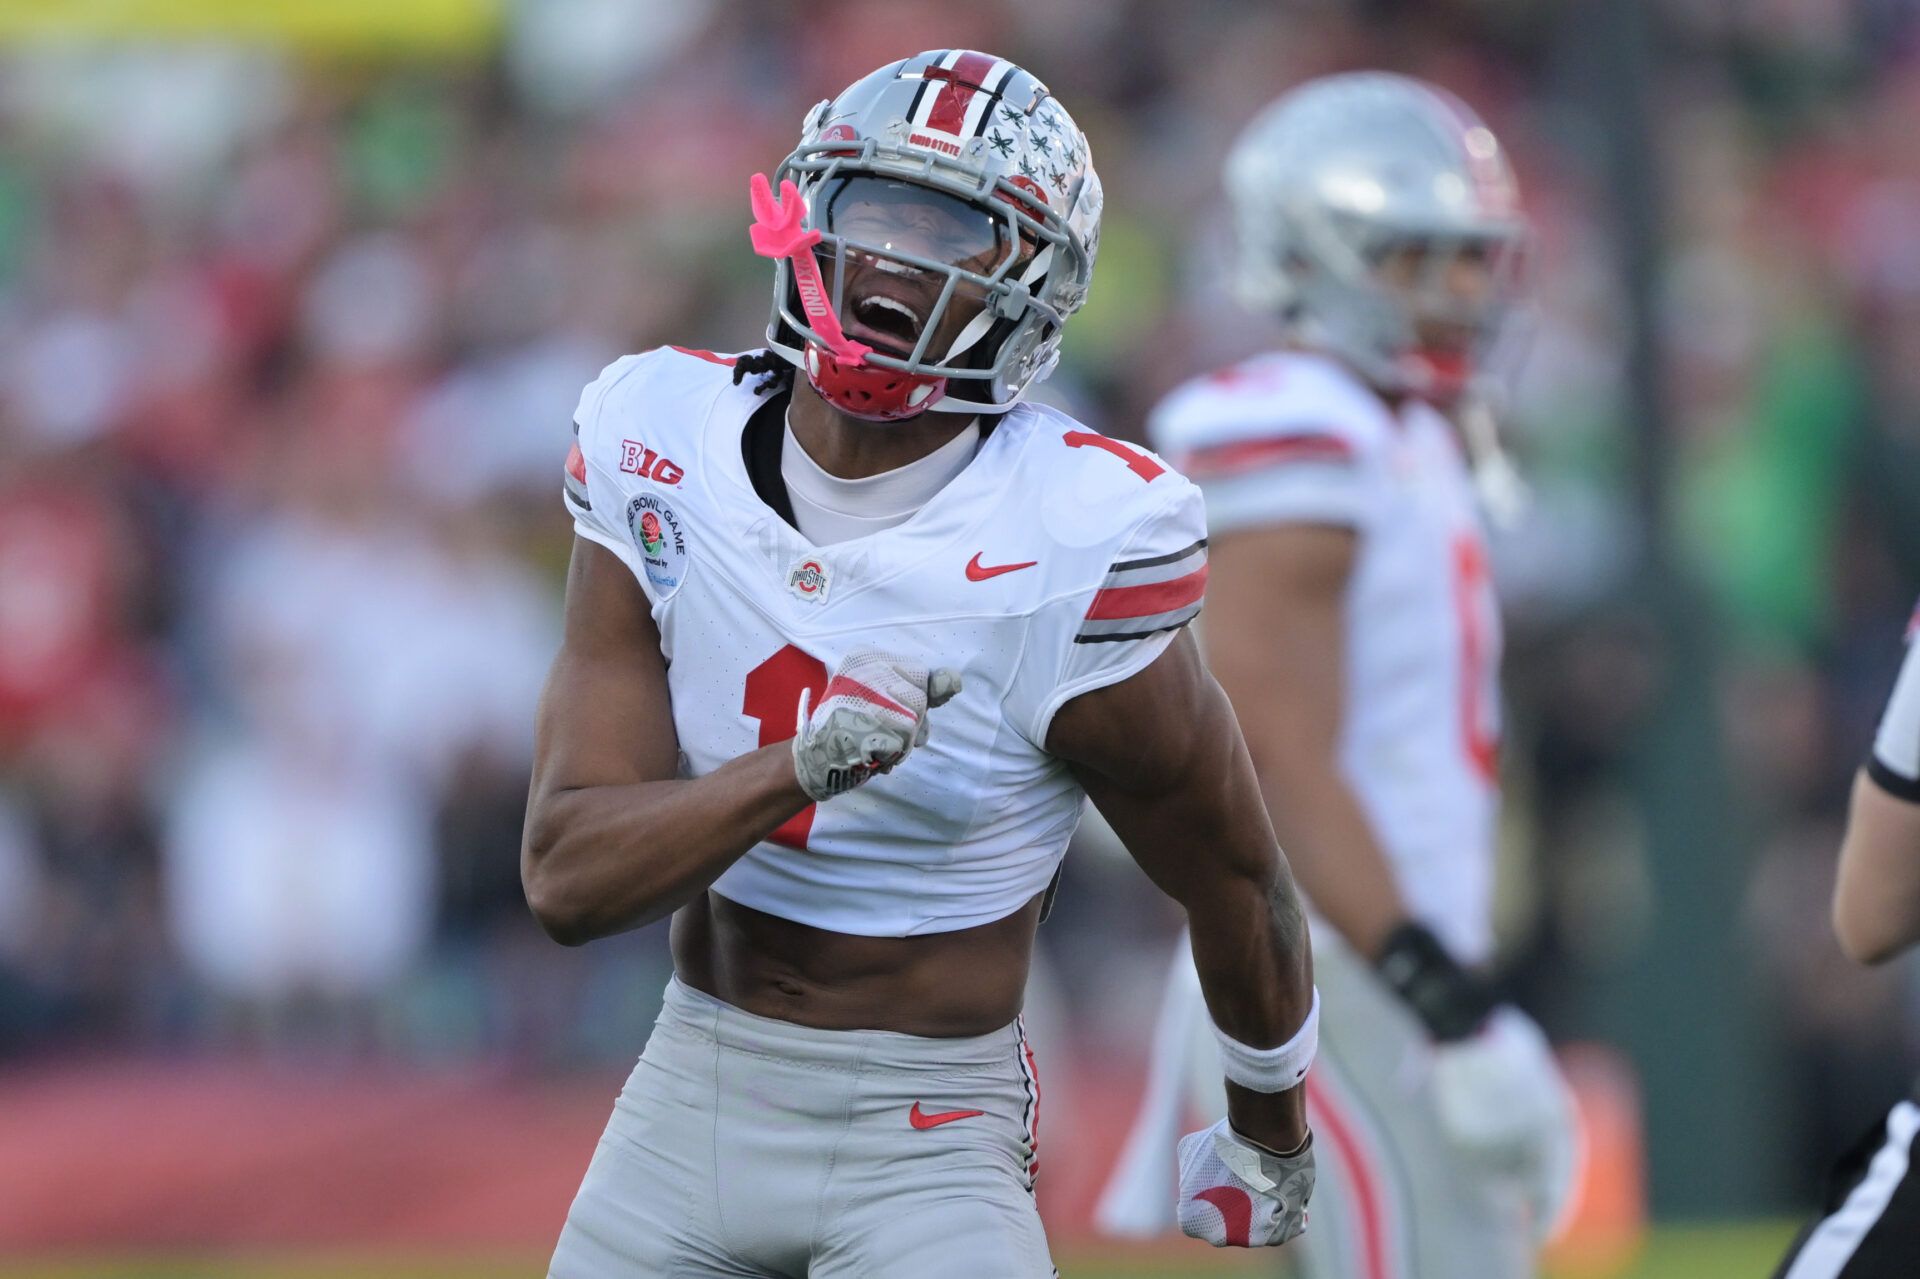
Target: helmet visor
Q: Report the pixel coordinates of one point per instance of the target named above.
(907, 221)
(912, 271)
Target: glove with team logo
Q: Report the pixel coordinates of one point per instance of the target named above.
(1501, 1100)
(872, 712)
(1237, 1194)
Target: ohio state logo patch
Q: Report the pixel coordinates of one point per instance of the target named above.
(662, 541)
(809, 580)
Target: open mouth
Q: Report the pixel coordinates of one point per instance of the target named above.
(886, 322)
(887, 313)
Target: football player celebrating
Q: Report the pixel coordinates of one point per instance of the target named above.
(843, 653)
(1869, 1227)
(1354, 626)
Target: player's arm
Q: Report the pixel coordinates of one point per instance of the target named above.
(1276, 637)
(1276, 640)
(614, 838)
(1160, 755)
(1876, 896)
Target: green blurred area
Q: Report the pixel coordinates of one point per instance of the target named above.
(1733, 1251)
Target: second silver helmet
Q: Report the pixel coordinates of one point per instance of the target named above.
(1333, 180)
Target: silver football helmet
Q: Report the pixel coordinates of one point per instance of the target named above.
(949, 174)
(1357, 199)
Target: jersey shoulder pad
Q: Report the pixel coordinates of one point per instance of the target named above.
(1091, 488)
(1284, 407)
(650, 403)
(1125, 559)
(1117, 516)
(634, 432)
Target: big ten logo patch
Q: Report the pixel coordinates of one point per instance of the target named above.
(637, 459)
(662, 540)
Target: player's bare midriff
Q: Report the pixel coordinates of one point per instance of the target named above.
(941, 985)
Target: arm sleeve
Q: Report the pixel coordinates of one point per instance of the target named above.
(1894, 764)
(1153, 585)
(593, 496)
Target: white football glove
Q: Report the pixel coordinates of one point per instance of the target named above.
(872, 712)
(1502, 1101)
(1234, 1194)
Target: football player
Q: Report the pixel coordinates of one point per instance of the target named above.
(1354, 626)
(1869, 1227)
(851, 631)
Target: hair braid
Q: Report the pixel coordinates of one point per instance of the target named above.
(774, 372)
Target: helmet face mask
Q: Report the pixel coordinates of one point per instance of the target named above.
(942, 207)
(1378, 217)
(917, 273)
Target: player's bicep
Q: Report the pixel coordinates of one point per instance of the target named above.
(1276, 636)
(1160, 755)
(605, 717)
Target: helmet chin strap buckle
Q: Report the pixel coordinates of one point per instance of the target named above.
(777, 232)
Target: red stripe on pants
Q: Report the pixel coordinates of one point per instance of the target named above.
(1366, 1188)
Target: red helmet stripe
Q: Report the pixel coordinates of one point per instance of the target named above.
(968, 73)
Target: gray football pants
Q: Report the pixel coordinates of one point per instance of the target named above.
(745, 1146)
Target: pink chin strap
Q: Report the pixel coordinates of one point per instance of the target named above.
(836, 364)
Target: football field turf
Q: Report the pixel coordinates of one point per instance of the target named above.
(1746, 1251)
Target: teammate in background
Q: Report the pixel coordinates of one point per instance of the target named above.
(1355, 628)
(1869, 1227)
(842, 655)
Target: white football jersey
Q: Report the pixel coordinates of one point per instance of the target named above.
(1292, 437)
(1057, 562)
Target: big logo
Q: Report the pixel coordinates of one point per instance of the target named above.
(637, 459)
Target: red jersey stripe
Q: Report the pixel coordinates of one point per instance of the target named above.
(1224, 459)
(577, 464)
(708, 356)
(1117, 602)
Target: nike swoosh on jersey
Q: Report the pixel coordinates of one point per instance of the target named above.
(921, 1120)
(978, 572)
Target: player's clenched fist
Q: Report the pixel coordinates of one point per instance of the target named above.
(872, 712)
(1234, 1194)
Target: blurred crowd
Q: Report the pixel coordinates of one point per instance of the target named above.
(288, 346)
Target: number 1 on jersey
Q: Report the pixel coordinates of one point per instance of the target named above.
(773, 697)
(1139, 463)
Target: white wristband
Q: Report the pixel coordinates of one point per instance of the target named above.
(1272, 1069)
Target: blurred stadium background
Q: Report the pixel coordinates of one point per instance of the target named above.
(295, 301)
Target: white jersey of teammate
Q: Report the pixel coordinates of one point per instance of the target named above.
(1057, 562)
(1295, 438)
